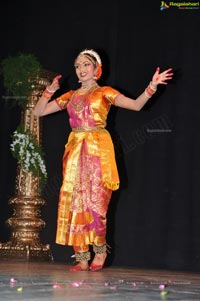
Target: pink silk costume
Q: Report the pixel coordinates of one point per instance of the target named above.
(89, 169)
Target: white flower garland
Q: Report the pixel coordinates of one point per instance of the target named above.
(28, 153)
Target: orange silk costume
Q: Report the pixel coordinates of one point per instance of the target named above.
(89, 169)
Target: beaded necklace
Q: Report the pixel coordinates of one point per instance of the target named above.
(79, 105)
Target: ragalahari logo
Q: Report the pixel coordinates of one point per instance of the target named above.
(179, 5)
(164, 5)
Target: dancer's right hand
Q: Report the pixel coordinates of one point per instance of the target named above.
(55, 84)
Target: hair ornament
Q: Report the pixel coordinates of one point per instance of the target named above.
(92, 53)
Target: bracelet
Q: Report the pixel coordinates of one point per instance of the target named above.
(46, 95)
(147, 94)
(50, 91)
(150, 91)
(152, 86)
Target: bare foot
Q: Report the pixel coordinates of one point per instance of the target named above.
(99, 259)
(98, 262)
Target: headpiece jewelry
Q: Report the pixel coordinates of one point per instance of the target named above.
(92, 53)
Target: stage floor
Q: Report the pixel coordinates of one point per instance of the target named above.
(45, 281)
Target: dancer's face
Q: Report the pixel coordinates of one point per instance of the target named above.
(85, 69)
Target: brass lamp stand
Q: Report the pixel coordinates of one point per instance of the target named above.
(26, 223)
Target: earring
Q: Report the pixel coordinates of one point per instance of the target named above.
(95, 77)
(79, 81)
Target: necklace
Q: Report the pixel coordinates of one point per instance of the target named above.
(84, 87)
(78, 106)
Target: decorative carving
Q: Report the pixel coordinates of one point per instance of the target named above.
(26, 223)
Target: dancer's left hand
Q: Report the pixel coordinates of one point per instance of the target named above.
(160, 78)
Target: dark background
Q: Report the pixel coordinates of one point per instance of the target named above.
(153, 220)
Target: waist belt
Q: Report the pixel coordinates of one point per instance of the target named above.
(87, 128)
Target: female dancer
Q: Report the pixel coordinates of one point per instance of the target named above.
(89, 168)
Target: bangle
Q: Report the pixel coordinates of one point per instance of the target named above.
(152, 86)
(46, 95)
(147, 94)
(150, 91)
(50, 91)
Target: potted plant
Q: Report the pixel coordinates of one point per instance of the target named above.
(20, 74)
(21, 77)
